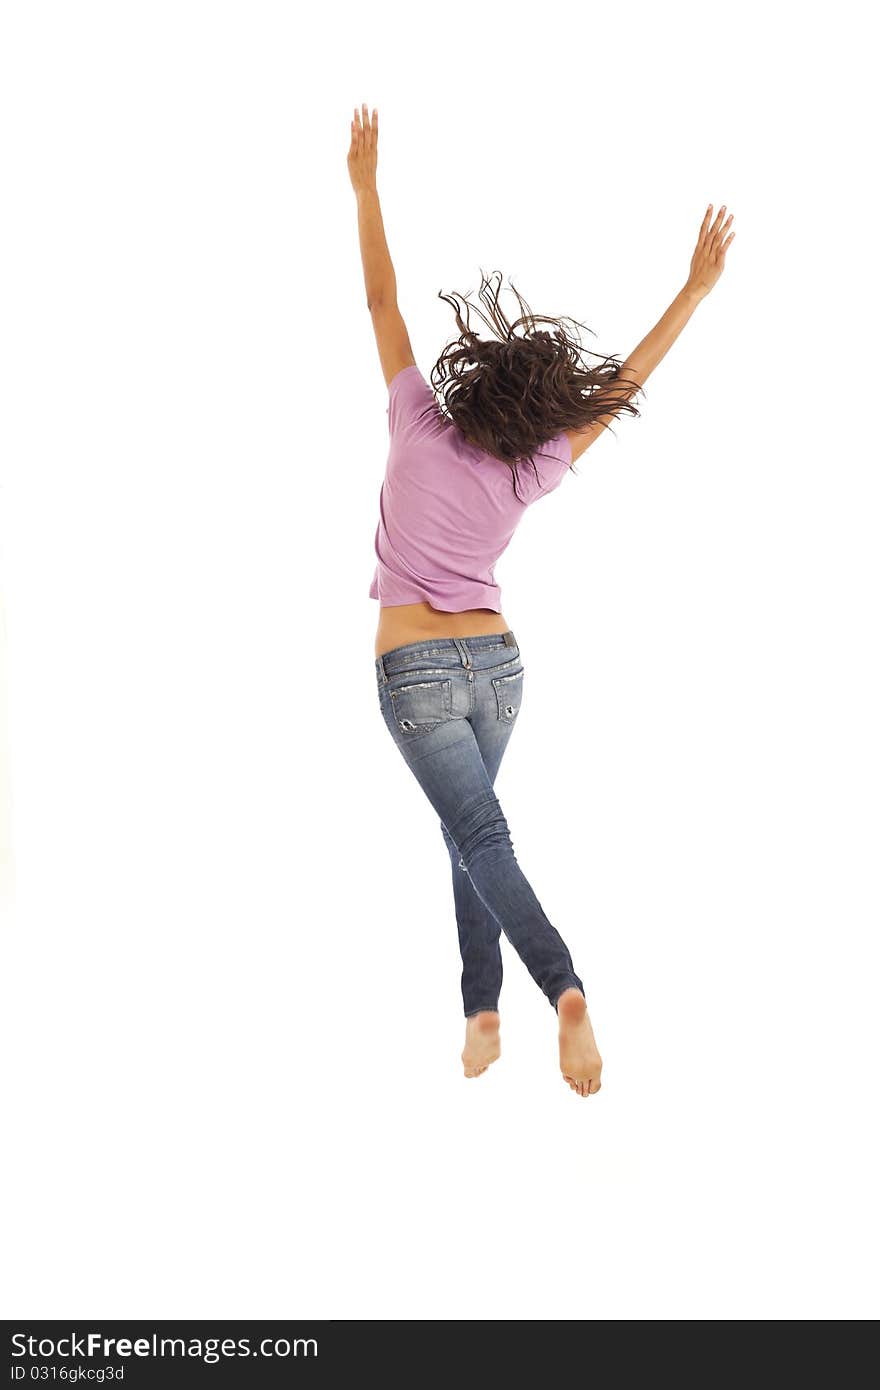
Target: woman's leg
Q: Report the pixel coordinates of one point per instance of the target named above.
(433, 722)
(479, 935)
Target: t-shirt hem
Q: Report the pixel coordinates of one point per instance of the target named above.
(440, 607)
(478, 601)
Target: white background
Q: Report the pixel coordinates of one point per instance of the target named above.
(231, 1004)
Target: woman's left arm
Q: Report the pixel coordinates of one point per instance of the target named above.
(392, 339)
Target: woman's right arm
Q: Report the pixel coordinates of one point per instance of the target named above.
(707, 263)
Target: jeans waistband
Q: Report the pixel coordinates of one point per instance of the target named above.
(396, 659)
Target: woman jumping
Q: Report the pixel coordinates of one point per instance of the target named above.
(518, 409)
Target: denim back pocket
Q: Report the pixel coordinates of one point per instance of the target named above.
(420, 707)
(508, 693)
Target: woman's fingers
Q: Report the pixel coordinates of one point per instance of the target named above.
(363, 153)
(711, 237)
(367, 130)
(720, 228)
(373, 128)
(722, 242)
(707, 262)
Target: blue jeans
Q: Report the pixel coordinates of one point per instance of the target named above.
(450, 704)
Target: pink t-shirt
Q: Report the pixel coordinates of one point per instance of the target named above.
(447, 509)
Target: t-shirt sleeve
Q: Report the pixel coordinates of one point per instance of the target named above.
(551, 463)
(412, 406)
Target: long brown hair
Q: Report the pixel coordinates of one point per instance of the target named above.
(512, 393)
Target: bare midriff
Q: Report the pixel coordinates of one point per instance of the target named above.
(417, 622)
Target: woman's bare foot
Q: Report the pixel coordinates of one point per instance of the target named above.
(579, 1057)
(482, 1043)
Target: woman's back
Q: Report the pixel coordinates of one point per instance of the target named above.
(447, 510)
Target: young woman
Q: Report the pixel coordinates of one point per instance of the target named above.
(519, 409)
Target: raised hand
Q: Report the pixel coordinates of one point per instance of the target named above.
(707, 261)
(363, 151)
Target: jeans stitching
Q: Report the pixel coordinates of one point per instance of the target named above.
(415, 648)
(491, 671)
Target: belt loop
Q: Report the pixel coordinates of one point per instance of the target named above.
(462, 651)
(509, 639)
(381, 660)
